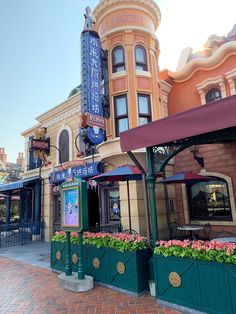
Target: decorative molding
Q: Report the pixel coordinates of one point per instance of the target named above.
(105, 7)
(62, 117)
(204, 86)
(209, 63)
(231, 76)
(65, 127)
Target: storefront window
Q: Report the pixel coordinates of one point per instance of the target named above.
(114, 204)
(209, 201)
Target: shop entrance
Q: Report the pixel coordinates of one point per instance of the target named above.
(93, 207)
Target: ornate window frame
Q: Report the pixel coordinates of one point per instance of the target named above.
(145, 55)
(209, 83)
(120, 64)
(231, 77)
(64, 127)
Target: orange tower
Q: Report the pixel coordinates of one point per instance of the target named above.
(127, 30)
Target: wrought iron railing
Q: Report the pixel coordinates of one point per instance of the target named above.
(21, 233)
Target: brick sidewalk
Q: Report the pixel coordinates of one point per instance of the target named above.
(29, 289)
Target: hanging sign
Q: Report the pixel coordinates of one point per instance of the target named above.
(86, 171)
(93, 126)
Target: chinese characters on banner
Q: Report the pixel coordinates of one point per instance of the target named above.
(93, 132)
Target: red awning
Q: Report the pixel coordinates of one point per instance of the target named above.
(211, 117)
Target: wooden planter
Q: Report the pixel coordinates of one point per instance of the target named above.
(204, 286)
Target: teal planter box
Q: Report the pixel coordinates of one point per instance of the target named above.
(58, 256)
(128, 270)
(97, 263)
(204, 286)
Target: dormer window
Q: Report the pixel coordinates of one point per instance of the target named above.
(118, 59)
(140, 58)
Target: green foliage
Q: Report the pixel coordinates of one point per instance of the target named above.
(200, 250)
(120, 241)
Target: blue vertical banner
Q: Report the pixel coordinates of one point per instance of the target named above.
(92, 121)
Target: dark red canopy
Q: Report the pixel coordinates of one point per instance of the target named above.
(210, 117)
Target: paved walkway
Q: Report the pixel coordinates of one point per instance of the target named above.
(29, 286)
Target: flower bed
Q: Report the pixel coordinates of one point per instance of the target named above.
(200, 275)
(201, 250)
(116, 259)
(119, 241)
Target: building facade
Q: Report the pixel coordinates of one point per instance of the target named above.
(138, 94)
(207, 76)
(127, 31)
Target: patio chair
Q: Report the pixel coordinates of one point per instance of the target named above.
(225, 234)
(174, 233)
(195, 233)
(205, 233)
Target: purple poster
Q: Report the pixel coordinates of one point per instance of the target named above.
(71, 208)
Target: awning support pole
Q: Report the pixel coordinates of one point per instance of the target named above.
(151, 190)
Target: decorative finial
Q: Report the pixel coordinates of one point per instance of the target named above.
(89, 20)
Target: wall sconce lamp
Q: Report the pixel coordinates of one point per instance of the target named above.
(194, 149)
(80, 153)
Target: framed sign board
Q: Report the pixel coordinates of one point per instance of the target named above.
(74, 206)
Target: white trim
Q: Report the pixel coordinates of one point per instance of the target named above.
(205, 85)
(231, 76)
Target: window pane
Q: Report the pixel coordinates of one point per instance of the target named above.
(119, 68)
(213, 94)
(210, 200)
(118, 56)
(114, 204)
(64, 146)
(143, 120)
(140, 55)
(143, 104)
(123, 125)
(140, 67)
(121, 108)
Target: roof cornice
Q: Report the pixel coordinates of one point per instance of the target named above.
(149, 6)
(220, 55)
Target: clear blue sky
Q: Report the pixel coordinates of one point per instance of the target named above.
(40, 52)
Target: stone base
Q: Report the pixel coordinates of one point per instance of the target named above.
(74, 284)
(152, 288)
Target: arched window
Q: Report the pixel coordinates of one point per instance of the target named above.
(213, 94)
(140, 58)
(209, 200)
(64, 141)
(118, 59)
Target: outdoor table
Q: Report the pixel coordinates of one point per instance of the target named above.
(229, 239)
(191, 230)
